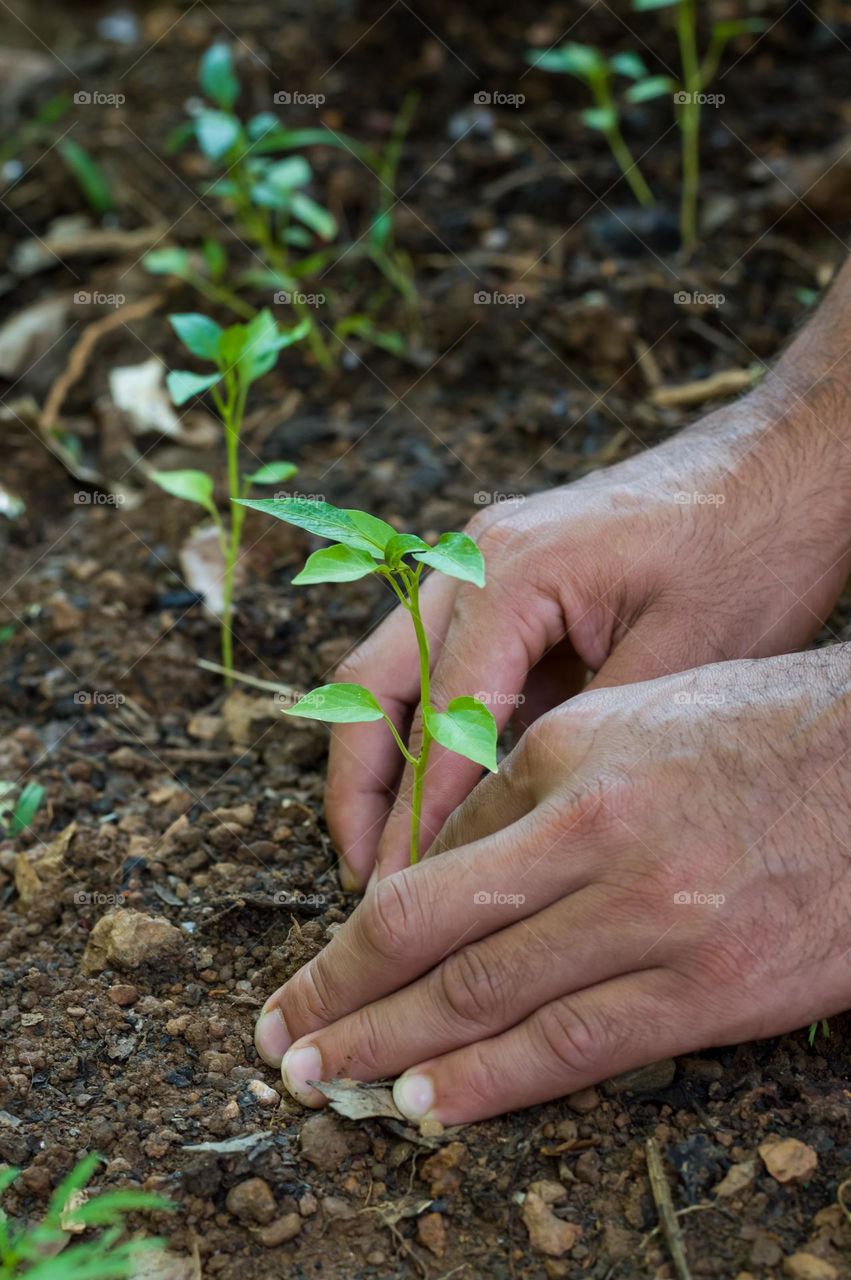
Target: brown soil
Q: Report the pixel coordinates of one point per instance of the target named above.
(199, 808)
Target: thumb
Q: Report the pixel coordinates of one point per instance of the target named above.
(659, 643)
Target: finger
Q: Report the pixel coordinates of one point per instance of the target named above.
(364, 762)
(558, 676)
(405, 925)
(476, 992)
(564, 1046)
(495, 636)
(659, 643)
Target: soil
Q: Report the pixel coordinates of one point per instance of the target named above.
(196, 807)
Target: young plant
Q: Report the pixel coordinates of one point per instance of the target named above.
(363, 545)
(240, 355)
(33, 1252)
(598, 74)
(697, 74)
(16, 814)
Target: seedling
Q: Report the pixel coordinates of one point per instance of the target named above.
(598, 74)
(32, 1252)
(697, 74)
(16, 814)
(363, 545)
(205, 270)
(240, 355)
(812, 1033)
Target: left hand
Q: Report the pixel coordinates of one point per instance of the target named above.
(656, 868)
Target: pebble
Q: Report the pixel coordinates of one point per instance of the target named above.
(656, 1075)
(126, 939)
(123, 994)
(252, 1201)
(263, 1093)
(308, 1204)
(584, 1101)
(788, 1159)
(431, 1233)
(806, 1266)
(280, 1230)
(443, 1170)
(337, 1207)
(324, 1141)
(547, 1233)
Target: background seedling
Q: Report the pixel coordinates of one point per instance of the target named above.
(16, 814)
(364, 545)
(240, 355)
(31, 1252)
(598, 73)
(697, 74)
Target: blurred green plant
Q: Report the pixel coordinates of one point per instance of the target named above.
(240, 354)
(697, 74)
(598, 73)
(17, 812)
(31, 1252)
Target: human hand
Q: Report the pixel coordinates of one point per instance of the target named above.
(657, 868)
(731, 540)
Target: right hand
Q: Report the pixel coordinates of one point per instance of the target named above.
(729, 541)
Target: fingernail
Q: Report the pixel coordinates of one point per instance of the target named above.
(299, 1066)
(414, 1096)
(271, 1038)
(348, 879)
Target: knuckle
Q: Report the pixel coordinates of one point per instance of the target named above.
(309, 999)
(481, 1078)
(569, 1036)
(391, 917)
(351, 668)
(471, 988)
(371, 1041)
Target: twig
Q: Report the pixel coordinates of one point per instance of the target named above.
(665, 1209)
(255, 681)
(727, 382)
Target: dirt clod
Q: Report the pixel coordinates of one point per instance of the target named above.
(252, 1201)
(126, 939)
(788, 1159)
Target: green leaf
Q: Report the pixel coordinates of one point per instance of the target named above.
(215, 258)
(288, 174)
(314, 216)
(193, 486)
(737, 27)
(25, 810)
(581, 60)
(262, 340)
(199, 334)
(652, 87)
(402, 545)
(261, 124)
(352, 528)
(167, 262)
(183, 384)
(217, 76)
(456, 555)
(335, 564)
(628, 64)
(338, 704)
(602, 118)
(467, 728)
(273, 473)
(91, 178)
(640, 6)
(217, 132)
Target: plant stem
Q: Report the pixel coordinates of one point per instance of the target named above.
(689, 120)
(233, 410)
(413, 583)
(629, 167)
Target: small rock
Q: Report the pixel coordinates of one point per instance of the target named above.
(765, 1251)
(337, 1207)
(788, 1160)
(39, 874)
(806, 1266)
(125, 939)
(737, 1179)
(431, 1232)
(584, 1101)
(324, 1141)
(443, 1170)
(252, 1201)
(308, 1205)
(547, 1233)
(656, 1075)
(263, 1093)
(123, 994)
(280, 1230)
(65, 616)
